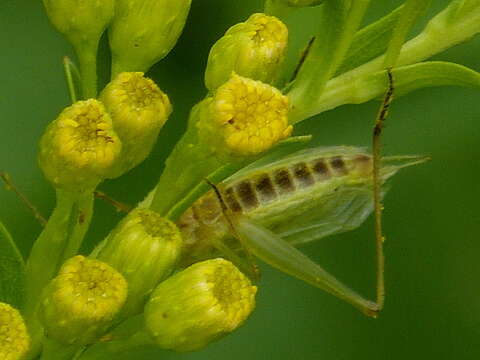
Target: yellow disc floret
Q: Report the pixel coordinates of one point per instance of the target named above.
(269, 33)
(14, 338)
(138, 109)
(252, 116)
(199, 305)
(79, 148)
(82, 300)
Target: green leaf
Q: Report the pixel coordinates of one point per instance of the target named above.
(412, 10)
(370, 41)
(12, 270)
(406, 79)
(422, 75)
(337, 27)
(462, 8)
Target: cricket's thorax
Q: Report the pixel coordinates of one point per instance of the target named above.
(273, 195)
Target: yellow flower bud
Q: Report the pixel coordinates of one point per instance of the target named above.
(80, 21)
(79, 149)
(139, 109)
(144, 248)
(14, 338)
(199, 305)
(244, 117)
(144, 31)
(254, 49)
(82, 301)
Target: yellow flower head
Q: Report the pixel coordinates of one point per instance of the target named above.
(269, 34)
(14, 338)
(82, 300)
(138, 109)
(254, 49)
(199, 305)
(144, 248)
(79, 148)
(248, 116)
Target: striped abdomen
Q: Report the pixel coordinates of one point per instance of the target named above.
(264, 187)
(271, 194)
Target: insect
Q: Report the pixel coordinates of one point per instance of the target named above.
(273, 205)
(276, 205)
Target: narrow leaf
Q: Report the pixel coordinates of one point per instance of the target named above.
(371, 41)
(410, 13)
(337, 27)
(407, 78)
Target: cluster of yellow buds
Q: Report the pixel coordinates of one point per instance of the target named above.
(96, 139)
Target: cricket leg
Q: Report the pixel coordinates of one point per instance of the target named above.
(10, 186)
(279, 254)
(246, 265)
(377, 187)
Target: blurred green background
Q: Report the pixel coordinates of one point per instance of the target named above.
(432, 217)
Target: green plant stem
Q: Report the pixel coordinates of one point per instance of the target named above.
(108, 350)
(68, 221)
(187, 166)
(278, 9)
(87, 58)
(53, 350)
(339, 23)
(436, 37)
(84, 212)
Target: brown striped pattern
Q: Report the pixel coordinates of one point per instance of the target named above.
(250, 193)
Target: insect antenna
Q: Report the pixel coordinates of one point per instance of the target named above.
(119, 206)
(248, 267)
(10, 186)
(377, 183)
(303, 56)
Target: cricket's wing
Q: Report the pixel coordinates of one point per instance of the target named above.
(344, 210)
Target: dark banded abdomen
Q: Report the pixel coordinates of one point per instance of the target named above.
(247, 194)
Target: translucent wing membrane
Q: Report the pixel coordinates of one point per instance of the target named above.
(344, 210)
